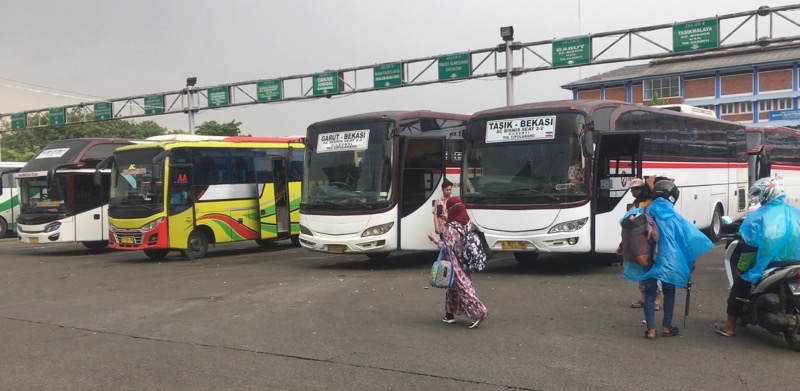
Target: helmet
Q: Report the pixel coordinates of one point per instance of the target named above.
(667, 190)
(766, 190)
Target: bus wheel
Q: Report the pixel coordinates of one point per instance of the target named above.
(3, 227)
(713, 231)
(295, 240)
(378, 256)
(156, 255)
(197, 245)
(96, 245)
(526, 257)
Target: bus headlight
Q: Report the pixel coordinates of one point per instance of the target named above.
(305, 231)
(149, 226)
(377, 230)
(568, 226)
(52, 227)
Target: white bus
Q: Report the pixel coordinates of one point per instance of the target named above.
(59, 201)
(774, 151)
(370, 179)
(518, 160)
(9, 197)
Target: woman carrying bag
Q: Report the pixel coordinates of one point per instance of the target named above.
(460, 299)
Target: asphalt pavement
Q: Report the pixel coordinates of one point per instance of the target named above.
(282, 318)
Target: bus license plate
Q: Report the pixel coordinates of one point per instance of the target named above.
(510, 245)
(337, 248)
(795, 288)
(33, 240)
(126, 239)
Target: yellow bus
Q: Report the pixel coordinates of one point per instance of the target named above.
(184, 195)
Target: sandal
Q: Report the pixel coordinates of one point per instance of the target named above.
(673, 331)
(720, 329)
(659, 307)
(637, 304)
(648, 336)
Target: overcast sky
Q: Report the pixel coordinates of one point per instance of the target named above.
(57, 52)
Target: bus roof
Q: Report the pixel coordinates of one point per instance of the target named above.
(74, 151)
(242, 141)
(392, 115)
(586, 105)
(774, 129)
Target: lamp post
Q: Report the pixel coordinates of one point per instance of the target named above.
(507, 33)
(190, 83)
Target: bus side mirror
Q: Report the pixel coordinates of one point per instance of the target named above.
(587, 144)
(97, 178)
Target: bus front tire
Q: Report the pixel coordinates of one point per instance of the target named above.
(95, 245)
(526, 257)
(156, 255)
(295, 240)
(196, 245)
(3, 227)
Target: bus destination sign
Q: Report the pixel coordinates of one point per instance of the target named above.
(351, 140)
(519, 129)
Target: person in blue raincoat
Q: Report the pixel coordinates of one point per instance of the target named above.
(679, 244)
(770, 235)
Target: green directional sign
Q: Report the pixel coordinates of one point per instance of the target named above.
(56, 116)
(573, 51)
(703, 34)
(389, 75)
(218, 96)
(102, 110)
(18, 121)
(325, 83)
(454, 66)
(269, 90)
(153, 104)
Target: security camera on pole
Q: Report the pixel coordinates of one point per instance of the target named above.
(190, 83)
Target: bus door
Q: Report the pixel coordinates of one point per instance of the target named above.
(617, 160)
(90, 204)
(422, 169)
(273, 207)
(180, 205)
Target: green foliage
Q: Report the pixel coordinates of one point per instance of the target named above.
(27, 142)
(657, 100)
(213, 128)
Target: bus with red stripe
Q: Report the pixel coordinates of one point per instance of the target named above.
(774, 151)
(186, 193)
(60, 200)
(554, 177)
(370, 179)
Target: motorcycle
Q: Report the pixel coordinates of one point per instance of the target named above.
(774, 301)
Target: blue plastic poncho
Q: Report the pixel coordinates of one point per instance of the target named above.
(679, 244)
(775, 229)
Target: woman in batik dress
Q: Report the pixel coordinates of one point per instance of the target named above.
(460, 299)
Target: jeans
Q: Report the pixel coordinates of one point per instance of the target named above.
(650, 289)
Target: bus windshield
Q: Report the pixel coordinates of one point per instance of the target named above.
(71, 192)
(544, 168)
(136, 183)
(348, 167)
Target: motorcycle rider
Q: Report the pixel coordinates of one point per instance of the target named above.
(679, 244)
(770, 235)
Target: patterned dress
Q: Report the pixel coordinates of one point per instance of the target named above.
(461, 299)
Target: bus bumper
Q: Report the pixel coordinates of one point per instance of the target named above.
(52, 232)
(137, 239)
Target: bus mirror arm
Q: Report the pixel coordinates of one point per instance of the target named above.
(51, 173)
(97, 177)
(586, 143)
(158, 158)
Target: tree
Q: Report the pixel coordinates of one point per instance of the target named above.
(27, 142)
(213, 128)
(657, 100)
